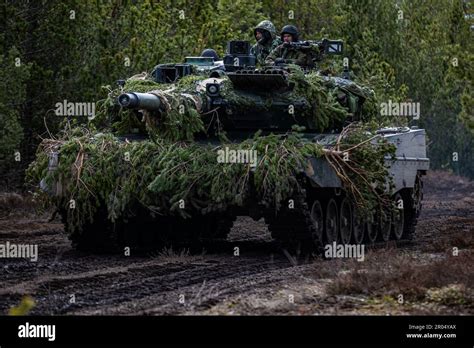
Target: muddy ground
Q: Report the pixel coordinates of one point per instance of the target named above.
(426, 276)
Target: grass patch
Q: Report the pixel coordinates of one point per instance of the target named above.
(387, 273)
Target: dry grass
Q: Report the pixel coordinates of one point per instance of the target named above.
(10, 201)
(463, 239)
(15, 204)
(169, 255)
(442, 181)
(387, 273)
(454, 294)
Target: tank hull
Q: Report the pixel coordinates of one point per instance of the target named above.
(307, 221)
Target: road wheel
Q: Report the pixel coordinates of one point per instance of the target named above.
(398, 218)
(417, 195)
(384, 225)
(358, 227)
(331, 222)
(371, 232)
(317, 218)
(345, 220)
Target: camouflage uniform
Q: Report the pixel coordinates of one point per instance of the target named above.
(262, 51)
(289, 56)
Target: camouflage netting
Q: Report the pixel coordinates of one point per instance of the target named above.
(169, 174)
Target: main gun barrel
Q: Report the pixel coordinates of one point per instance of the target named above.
(145, 101)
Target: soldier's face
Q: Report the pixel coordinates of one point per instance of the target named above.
(258, 35)
(287, 38)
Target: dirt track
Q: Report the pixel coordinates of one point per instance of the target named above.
(259, 281)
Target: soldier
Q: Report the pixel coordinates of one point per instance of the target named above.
(267, 40)
(209, 52)
(287, 54)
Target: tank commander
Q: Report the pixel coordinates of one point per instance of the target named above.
(290, 52)
(267, 41)
(211, 53)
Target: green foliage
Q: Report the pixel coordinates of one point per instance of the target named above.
(179, 178)
(326, 112)
(13, 81)
(100, 169)
(365, 170)
(467, 113)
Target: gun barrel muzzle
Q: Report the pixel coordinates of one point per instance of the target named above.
(146, 101)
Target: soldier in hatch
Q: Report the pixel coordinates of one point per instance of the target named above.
(209, 52)
(287, 54)
(267, 40)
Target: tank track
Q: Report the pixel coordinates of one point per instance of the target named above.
(294, 229)
(414, 198)
(144, 233)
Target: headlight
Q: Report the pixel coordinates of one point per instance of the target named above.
(212, 89)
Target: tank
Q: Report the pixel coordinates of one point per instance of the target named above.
(300, 145)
